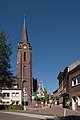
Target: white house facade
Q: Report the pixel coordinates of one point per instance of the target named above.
(13, 97)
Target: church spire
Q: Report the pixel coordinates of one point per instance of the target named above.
(24, 32)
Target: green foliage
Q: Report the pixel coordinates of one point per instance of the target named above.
(38, 102)
(15, 107)
(46, 95)
(2, 107)
(1, 95)
(42, 99)
(5, 66)
(35, 94)
(11, 107)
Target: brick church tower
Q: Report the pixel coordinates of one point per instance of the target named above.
(24, 63)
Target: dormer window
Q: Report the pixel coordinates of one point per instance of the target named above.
(16, 86)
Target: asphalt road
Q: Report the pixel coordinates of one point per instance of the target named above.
(5, 116)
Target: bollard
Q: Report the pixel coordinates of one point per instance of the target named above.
(65, 112)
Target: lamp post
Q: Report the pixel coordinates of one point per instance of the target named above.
(24, 97)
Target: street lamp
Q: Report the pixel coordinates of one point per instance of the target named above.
(24, 97)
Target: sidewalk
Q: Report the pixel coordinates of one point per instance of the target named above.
(53, 111)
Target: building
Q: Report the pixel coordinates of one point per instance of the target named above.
(12, 95)
(23, 83)
(24, 64)
(56, 97)
(69, 86)
(55, 93)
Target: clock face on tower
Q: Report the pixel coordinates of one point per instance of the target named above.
(24, 46)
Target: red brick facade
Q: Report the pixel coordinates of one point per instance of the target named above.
(24, 63)
(69, 86)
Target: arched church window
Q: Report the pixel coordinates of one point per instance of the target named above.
(24, 71)
(24, 56)
(25, 84)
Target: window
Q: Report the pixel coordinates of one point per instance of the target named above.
(78, 80)
(24, 56)
(17, 103)
(16, 86)
(17, 94)
(6, 95)
(73, 82)
(13, 95)
(24, 71)
(24, 84)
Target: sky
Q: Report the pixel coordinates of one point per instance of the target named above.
(53, 30)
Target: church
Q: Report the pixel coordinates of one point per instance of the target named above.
(23, 84)
(24, 63)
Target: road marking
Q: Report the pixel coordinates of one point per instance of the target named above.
(29, 115)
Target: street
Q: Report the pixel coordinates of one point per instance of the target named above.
(5, 116)
(11, 115)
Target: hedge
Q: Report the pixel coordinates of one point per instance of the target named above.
(11, 107)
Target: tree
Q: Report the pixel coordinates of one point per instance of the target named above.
(5, 66)
(1, 96)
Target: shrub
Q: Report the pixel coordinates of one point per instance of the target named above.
(2, 107)
(15, 107)
(11, 107)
